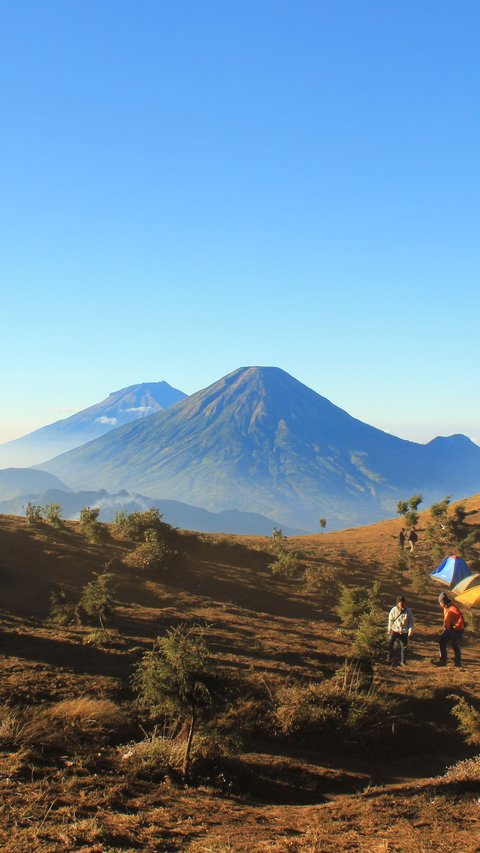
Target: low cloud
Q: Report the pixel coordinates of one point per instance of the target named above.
(142, 410)
(105, 420)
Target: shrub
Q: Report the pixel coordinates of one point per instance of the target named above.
(319, 578)
(153, 755)
(62, 611)
(472, 621)
(96, 600)
(465, 771)
(420, 579)
(33, 513)
(90, 526)
(277, 536)
(352, 603)
(341, 708)
(306, 711)
(399, 565)
(468, 720)
(97, 639)
(286, 564)
(152, 554)
(135, 525)
(52, 513)
(369, 639)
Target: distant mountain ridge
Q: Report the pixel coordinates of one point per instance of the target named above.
(176, 513)
(119, 408)
(260, 441)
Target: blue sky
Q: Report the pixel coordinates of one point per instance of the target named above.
(191, 187)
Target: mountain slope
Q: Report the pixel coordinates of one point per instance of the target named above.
(119, 408)
(260, 441)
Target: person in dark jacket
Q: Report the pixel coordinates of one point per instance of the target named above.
(452, 631)
(412, 538)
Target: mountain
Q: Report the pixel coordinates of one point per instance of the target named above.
(119, 408)
(174, 512)
(15, 483)
(260, 441)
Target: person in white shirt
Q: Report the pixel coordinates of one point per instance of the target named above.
(400, 628)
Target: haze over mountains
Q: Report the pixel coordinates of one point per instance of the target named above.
(260, 441)
(120, 407)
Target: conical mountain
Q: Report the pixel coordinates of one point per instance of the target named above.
(119, 408)
(260, 441)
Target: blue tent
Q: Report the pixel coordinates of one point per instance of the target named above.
(451, 571)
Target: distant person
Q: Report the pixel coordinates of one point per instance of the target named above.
(452, 631)
(400, 628)
(401, 539)
(412, 538)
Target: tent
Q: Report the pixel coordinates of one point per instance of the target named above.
(451, 571)
(471, 598)
(467, 583)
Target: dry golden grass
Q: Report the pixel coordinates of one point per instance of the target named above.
(59, 724)
(60, 790)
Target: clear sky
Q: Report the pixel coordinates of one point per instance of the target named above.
(191, 186)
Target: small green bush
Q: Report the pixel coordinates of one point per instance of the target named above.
(135, 525)
(96, 600)
(62, 611)
(468, 720)
(346, 707)
(370, 637)
(286, 565)
(152, 554)
(399, 565)
(33, 513)
(52, 513)
(352, 604)
(306, 711)
(90, 526)
(322, 578)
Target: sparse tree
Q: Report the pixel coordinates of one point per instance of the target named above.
(96, 600)
(176, 679)
(409, 510)
(447, 529)
(415, 501)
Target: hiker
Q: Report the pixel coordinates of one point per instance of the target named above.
(412, 538)
(400, 628)
(401, 539)
(452, 631)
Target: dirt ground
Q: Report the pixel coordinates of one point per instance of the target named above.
(272, 796)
